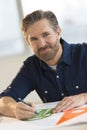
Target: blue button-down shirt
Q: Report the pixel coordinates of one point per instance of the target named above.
(69, 78)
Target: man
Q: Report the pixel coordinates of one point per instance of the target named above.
(57, 71)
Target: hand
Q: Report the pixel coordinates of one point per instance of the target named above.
(70, 102)
(23, 111)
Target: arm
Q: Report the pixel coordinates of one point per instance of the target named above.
(9, 107)
(71, 102)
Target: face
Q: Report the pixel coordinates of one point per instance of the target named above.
(43, 40)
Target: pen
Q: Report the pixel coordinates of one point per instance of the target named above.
(28, 105)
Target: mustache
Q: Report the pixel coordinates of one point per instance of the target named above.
(43, 48)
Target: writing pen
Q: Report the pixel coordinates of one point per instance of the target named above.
(28, 105)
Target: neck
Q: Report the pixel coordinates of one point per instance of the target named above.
(57, 57)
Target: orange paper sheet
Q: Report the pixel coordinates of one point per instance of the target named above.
(71, 114)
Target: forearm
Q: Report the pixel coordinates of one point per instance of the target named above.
(7, 106)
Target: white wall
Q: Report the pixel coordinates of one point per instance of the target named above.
(71, 15)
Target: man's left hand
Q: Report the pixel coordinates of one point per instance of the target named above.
(70, 102)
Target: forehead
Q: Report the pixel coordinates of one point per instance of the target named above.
(39, 27)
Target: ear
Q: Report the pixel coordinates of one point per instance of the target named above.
(59, 32)
(26, 40)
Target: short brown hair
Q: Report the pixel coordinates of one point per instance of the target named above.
(36, 16)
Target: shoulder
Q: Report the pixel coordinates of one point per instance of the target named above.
(31, 63)
(79, 51)
(79, 47)
(74, 47)
(31, 60)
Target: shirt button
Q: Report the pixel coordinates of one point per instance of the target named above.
(62, 94)
(77, 87)
(57, 76)
(45, 91)
(9, 87)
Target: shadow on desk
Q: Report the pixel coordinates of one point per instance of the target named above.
(75, 127)
(7, 123)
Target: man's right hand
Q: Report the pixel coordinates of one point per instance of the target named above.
(9, 107)
(23, 111)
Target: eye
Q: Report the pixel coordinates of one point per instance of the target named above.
(33, 39)
(45, 34)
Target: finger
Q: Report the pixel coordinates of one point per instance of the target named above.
(23, 114)
(71, 106)
(31, 104)
(23, 106)
(63, 105)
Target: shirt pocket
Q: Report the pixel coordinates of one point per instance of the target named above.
(76, 88)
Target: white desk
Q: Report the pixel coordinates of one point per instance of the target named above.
(7, 123)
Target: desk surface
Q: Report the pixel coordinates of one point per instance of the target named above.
(7, 123)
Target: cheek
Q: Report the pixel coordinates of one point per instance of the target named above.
(52, 39)
(34, 48)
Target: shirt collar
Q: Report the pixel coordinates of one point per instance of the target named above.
(43, 65)
(66, 56)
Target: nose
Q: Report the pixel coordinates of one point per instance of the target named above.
(41, 42)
